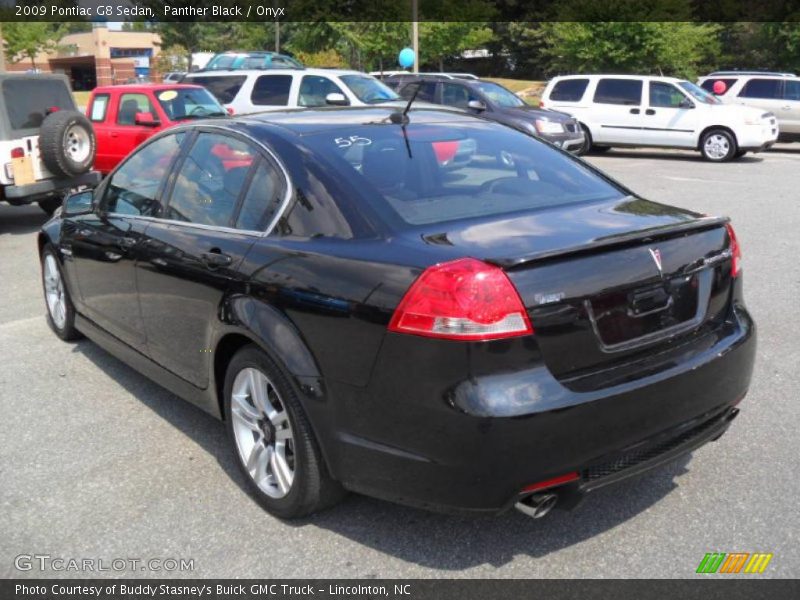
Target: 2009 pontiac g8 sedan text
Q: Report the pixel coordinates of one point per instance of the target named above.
(418, 305)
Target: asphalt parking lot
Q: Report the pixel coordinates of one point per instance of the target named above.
(98, 462)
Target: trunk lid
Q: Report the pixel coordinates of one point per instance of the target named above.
(608, 285)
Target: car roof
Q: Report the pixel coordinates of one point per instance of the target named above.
(750, 74)
(305, 121)
(616, 76)
(308, 71)
(146, 86)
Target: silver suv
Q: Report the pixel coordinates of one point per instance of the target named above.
(778, 93)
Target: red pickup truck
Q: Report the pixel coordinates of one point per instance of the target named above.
(123, 116)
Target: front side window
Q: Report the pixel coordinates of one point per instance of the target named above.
(665, 95)
(133, 188)
(768, 89)
(130, 104)
(271, 90)
(224, 87)
(314, 89)
(569, 90)
(99, 108)
(210, 180)
(436, 173)
(189, 103)
(368, 89)
(619, 91)
(456, 95)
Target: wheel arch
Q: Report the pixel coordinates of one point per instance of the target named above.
(713, 127)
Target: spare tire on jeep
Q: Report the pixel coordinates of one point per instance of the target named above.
(67, 143)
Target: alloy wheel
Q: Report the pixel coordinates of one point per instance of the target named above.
(717, 146)
(54, 292)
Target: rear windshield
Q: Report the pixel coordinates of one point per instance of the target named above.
(223, 87)
(29, 101)
(443, 172)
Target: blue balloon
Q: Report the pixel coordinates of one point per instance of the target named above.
(406, 57)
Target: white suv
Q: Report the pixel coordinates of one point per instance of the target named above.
(778, 93)
(245, 92)
(632, 110)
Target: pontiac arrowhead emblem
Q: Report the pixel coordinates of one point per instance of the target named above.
(656, 254)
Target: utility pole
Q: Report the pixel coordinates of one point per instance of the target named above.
(277, 36)
(415, 34)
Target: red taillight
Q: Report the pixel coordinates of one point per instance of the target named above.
(541, 103)
(736, 251)
(18, 153)
(548, 483)
(53, 109)
(465, 299)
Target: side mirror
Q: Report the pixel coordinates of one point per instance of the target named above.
(686, 103)
(146, 119)
(476, 105)
(79, 203)
(336, 99)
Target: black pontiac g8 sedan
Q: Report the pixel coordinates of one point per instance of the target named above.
(418, 305)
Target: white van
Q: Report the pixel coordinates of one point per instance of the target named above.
(251, 91)
(633, 110)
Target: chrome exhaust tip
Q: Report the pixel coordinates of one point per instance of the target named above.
(537, 505)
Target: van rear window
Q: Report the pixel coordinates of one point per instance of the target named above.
(569, 90)
(223, 87)
(28, 101)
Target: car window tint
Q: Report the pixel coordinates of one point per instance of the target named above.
(224, 88)
(426, 93)
(130, 104)
(314, 89)
(271, 90)
(569, 90)
(209, 180)
(618, 91)
(792, 91)
(262, 199)
(456, 95)
(133, 187)
(708, 85)
(665, 95)
(99, 108)
(762, 88)
(28, 101)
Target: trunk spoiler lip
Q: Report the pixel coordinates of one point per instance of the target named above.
(621, 239)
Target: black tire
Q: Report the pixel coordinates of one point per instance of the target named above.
(62, 327)
(740, 153)
(67, 143)
(50, 205)
(589, 145)
(312, 489)
(718, 145)
(600, 149)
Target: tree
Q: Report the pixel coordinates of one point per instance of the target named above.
(442, 40)
(26, 40)
(374, 42)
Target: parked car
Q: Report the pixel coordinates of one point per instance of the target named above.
(46, 146)
(126, 115)
(238, 61)
(492, 101)
(778, 93)
(286, 272)
(632, 110)
(398, 79)
(246, 92)
(173, 77)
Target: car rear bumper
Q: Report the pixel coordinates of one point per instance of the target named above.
(49, 187)
(396, 441)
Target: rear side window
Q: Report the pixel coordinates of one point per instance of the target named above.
(210, 180)
(224, 88)
(618, 91)
(762, 88)
(792, 90)
(28, 101)
(99, 108)
(271, 90)
(569, 90)
(262, 200)
(708, 85)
